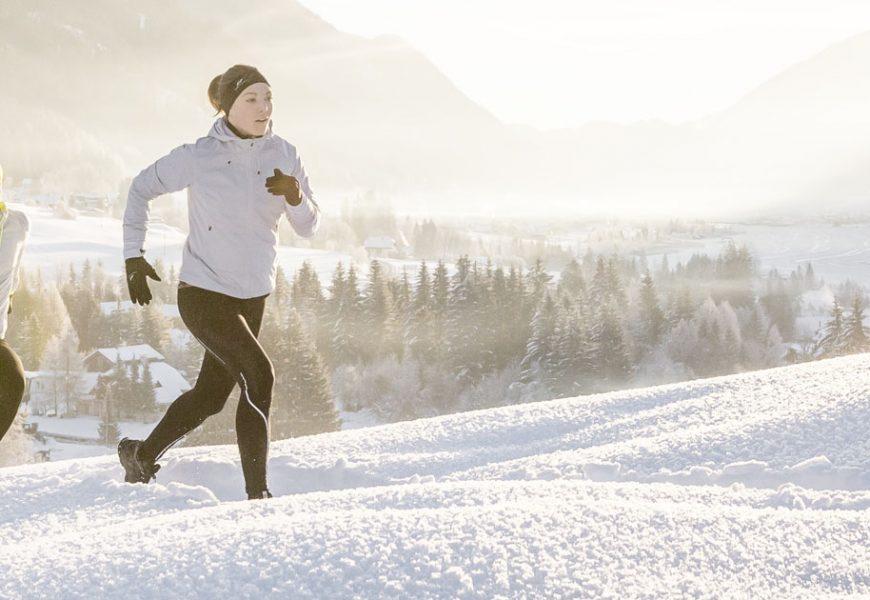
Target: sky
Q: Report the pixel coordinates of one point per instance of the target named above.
(561, 63)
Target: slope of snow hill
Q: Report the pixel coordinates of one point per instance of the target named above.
(754, 485)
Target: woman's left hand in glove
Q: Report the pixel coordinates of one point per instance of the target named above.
(280, 184)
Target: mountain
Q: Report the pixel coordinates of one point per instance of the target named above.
(796, 144)
(751, 485)
(89, 99)
(91, 96)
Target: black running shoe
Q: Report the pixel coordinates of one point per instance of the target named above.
(260, 495)
(137, 471)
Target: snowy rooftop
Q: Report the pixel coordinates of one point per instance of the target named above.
(171, 382)
(379, 242)
(127, 353)
(746, 486)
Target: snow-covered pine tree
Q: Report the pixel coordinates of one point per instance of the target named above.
(652, 319)
(351, 320)
(463, 329)
(539, 360)
(611, 347)
(107, 430)
(615, 289)
(302, 402)
(63, 358)
(831, 343)
(154, 329)
(537, 279)
(855, 333)
(571, 282)
(146, 395)
(682, 307)
(420, 339)
(380, 322)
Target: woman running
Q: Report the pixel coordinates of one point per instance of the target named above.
(13, 234)
(237, 192)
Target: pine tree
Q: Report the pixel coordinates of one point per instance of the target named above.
(64, 360)
(380, 315)
(613, 285)
(306, 293)
(107, 430)
(831, 343)
(780, 304)
(538, 278)
(610, 346)
(600, 288)
(31, 342)
(682, 307)
(539, 359)
(573, 366)
(340, 349)
(349, 336)
(303, 402)
(651, 316)
(153, 329)
(571, 282)
(855, 334)
(420, 334)
(462, 336)
(147, 397)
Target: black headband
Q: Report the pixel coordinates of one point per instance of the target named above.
(231, 87)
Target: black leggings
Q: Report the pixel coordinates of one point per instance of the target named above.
(11, 386)
(227, 327)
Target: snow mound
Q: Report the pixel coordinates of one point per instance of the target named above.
(753, 485)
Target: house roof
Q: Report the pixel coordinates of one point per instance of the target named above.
(127, 353)
(172, 383)
(379, 242)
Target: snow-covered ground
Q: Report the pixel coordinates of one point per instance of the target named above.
(837, 252)
(55, 243)
(747, 486)
(78, 437)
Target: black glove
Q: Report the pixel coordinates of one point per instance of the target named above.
(138, 270)
(284, 185)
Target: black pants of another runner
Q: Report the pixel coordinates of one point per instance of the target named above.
(11, 386)
(227, 327)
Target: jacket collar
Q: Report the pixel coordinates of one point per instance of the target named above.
(221, 132)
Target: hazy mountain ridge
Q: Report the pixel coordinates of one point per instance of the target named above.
(364, 112)
(92, 99)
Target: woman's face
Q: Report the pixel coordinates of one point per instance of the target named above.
(251, 111)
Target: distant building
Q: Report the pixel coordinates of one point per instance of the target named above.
(169, 383)
(104, 359)
(54, 393)
(88, 202)
(380, 246)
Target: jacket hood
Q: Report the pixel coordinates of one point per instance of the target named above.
(221, 131)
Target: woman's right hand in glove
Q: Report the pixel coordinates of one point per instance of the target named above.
(138, 270)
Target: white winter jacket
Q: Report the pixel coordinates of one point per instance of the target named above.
(13, 235)
(233, 239)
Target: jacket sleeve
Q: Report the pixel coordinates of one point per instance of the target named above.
(172, 173)
(305, 216)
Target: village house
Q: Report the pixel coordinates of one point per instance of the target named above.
(58, 393)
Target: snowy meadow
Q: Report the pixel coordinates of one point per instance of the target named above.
(754, 485)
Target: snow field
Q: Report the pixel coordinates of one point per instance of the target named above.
(747, 486)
